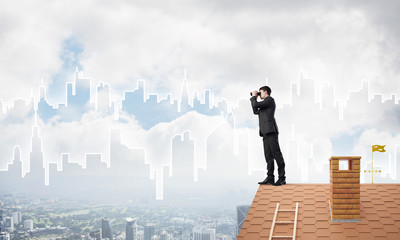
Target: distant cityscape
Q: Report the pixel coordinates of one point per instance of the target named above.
(23, 217)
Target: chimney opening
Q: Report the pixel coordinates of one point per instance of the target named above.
(345, 165)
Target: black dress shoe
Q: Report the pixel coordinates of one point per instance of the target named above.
(280, 182)
(267, 181)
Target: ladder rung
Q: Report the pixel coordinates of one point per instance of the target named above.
(293, 237)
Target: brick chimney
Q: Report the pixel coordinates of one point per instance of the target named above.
(345, 188)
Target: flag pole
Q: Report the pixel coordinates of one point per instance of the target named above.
(372, 165)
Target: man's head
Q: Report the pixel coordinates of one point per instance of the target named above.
(265, 91)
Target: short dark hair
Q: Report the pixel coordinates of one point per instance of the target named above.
(266, 88)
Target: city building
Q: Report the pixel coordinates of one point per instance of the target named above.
(28, 224)
(96, 235)
(1, 220)
(17, 217)
(202, 233)
(9, 224)
(106, 231)
(140, 235)
(241, 213)
(131, 229)
(149, 231)
(164, 236)
(4, 236)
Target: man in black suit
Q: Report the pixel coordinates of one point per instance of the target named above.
(269, 131)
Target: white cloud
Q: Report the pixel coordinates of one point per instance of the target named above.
(220, 45)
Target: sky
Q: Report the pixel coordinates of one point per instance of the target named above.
(229, 47)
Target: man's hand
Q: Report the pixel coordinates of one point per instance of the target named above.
(255, 93)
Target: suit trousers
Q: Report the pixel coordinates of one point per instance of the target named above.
(272, 151)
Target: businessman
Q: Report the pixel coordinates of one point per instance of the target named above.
(269, 131)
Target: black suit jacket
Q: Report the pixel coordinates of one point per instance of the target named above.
(266, 114)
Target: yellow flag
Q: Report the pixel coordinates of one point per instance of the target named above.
(378, 148)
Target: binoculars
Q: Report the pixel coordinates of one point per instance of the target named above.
(258, 93)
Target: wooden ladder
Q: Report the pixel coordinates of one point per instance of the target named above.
(284, 222)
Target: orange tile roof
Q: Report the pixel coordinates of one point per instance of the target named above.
(380, 213)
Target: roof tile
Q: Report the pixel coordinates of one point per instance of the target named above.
(379, 212)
